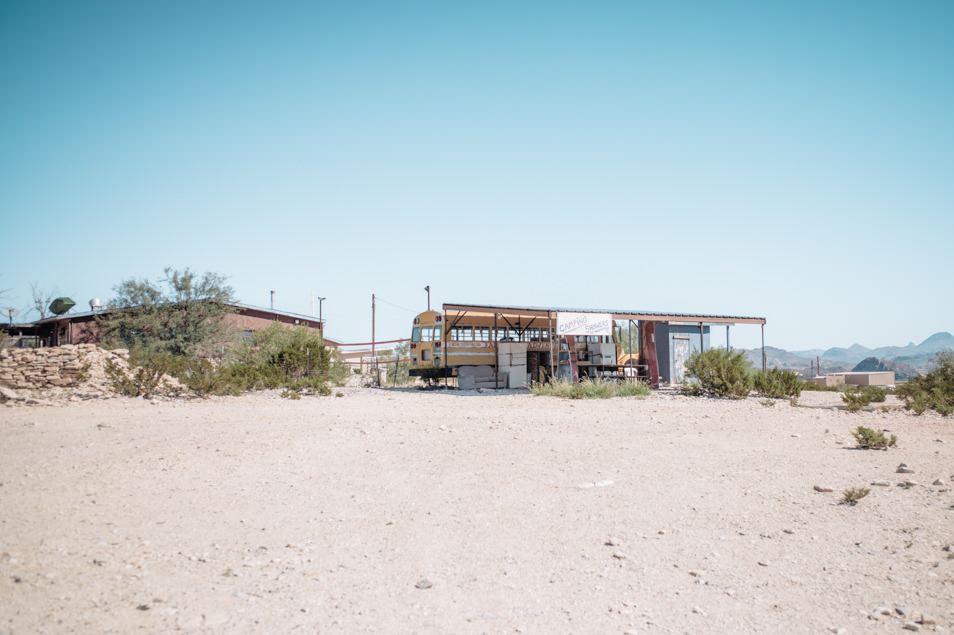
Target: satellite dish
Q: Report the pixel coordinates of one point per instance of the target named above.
(95, 304)
(10, 313)
(60, 306)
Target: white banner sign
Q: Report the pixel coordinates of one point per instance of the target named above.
(584, 324)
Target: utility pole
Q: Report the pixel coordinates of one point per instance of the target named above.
(428, 289)
(321, 322)
(374, 356)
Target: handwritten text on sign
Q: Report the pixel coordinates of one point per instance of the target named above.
(584, 324)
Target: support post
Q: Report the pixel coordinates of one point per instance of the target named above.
(552, 339)
(763, 349)
(496, 355)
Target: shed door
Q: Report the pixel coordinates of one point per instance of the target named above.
(680, 355)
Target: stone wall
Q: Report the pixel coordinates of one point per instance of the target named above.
(59, 367)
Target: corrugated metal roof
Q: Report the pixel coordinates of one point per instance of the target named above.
(656, 316)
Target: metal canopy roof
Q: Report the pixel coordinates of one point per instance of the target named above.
(649, 316)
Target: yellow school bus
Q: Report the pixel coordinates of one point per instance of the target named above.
(453, 343)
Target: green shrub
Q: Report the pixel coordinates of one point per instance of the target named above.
(857, 397)
(720, 372)
(690, 389)
(933, 391)
(143, 378)
(869, 439)
(633, 389)
(813, 387)
(293, 359)
(590, 389)
(282, 357)
(855, 400)
(852, 495)
(399, 368)
(778, 384)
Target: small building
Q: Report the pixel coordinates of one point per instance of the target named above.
(872, 378)
(81, 328)
(675, 343)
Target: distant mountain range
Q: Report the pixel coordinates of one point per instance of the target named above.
(905, 361)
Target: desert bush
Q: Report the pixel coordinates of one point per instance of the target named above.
(869, 439)
(690, 389)
(633, 389)
(292, 359)
(852, 495)
(203, 378)
(398, 372)
(778, 384)
(720, 372)
(813, 387)
(932, 391)
(282, 357)
(855, 400)
(590, 389)
(857, 397)
(143, 378)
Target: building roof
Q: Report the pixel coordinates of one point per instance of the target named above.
(488, 309)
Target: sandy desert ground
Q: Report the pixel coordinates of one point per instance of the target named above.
(404, 511)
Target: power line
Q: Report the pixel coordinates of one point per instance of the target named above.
(396, 306)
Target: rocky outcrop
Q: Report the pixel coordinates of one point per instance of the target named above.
(901, 370)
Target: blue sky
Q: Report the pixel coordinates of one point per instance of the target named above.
(787, 160)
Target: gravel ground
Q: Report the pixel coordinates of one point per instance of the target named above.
(406, 511)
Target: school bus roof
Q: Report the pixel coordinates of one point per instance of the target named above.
(649, 316)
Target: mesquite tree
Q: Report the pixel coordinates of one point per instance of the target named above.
(182, 314)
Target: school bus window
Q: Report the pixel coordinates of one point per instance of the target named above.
(482, 333)
(437, 334)
(416, 334)
(425, 334)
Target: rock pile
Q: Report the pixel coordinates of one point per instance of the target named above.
(71, 370)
